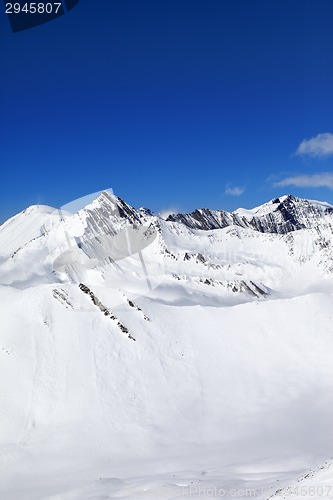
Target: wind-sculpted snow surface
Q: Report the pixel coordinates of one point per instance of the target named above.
(148, 358)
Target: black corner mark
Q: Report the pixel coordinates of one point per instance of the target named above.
(24, 14)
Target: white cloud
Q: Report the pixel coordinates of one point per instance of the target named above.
(168, 211)
(320, 146)
(324, 179)
(234, 191)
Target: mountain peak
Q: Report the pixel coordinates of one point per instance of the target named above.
(109, 205)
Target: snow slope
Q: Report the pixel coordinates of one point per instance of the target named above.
(25, 227)
(143, 358)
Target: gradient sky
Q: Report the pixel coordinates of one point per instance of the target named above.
(174, 104)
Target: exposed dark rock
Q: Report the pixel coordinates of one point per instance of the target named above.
(289, 215)
(104, 310)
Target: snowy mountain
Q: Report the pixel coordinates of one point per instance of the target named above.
(108, 243)
(150, 357)
(281, 215)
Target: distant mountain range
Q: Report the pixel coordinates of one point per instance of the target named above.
(113, 242)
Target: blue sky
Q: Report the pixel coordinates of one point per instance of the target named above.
(173, 104)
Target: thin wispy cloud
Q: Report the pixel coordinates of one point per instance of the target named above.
(320, 146)
(168, 211)
(324, 179)
(234, 191)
